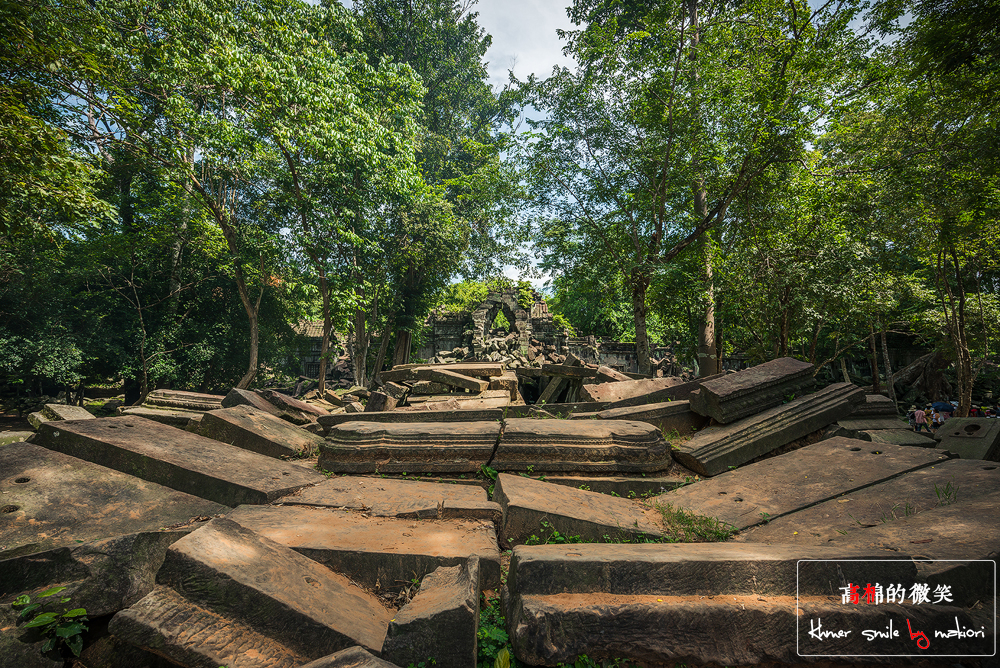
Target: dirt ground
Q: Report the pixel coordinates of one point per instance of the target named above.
(10, 422)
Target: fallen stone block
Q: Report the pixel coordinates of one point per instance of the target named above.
(507, 383)
(386, 497)
(177, 459)
(66, 412)
(770, 488)
(238, 397)
(729, 397)
(174, 417)
(528, 444)
(439, 374)
(402, 417)
(971, 438)
(254, 430)
(293, 410)
(228, 594)
(569, 372)
(625, 487)
(37, 419)
(424, 388)
(416, 447)
(851, 427)
(472, 369)
(529, 505)
(51, 500)
(441, 622)
(380, 401)
(626, 389)
(676, 392)
(606, 374)
(716, 449)
(381, 553)
(876, 405)
(668, 416)
(195, 401)
(354, 407)
(897, 437)
(396, 391)
(353, 657)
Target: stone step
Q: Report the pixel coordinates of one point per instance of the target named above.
(257, 431)
(715, 449)
(408, 499)
(189, 400)
(606, 446)
(730, 397)
(177, 459)
(381, 553)
(416, 447)
(53, 500)
(767, 489)
(527, 503)
(241, 576)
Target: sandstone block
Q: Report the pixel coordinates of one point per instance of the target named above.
(667, 416)
(440, 622)
(353, 657)
(293, 410)
(876, 405)
(971, 438)
(177, 459)
(627, 389)
(195, 401)
(425, 387)
(401, 416)
(472, 369)
(606, 374)
(717, 448)
(254, 430)
(380, 401)
(733, 396)
(66, 412)
(176, 417)
(897, 437)
(37, 419)
(238, 397)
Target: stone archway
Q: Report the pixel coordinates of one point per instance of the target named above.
(484, 315)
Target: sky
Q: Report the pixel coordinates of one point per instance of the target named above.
(524, 36)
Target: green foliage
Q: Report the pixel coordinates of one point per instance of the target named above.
(58, 628)
(553, 536)
(492, 636)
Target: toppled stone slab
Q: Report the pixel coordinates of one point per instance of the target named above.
(586, 445)
(440, 622)
(472, 369)
(66, 412)
(676, 392)
(353, 657)
(897, 437)
(768, 489)
(606, 374)
(37, 419)
(195, 401)
(852, 426)
(445, 375)
(971, 438)
(52, 500)
(177, 459)
(570, 372)
(380, 401)
(293, 410)
(420, 447)
(254, 430)
(399, 416)
(386, 497)
(626, 389)
(527, 503)
(733, 396)
(668, 416)
(238, 397)
(377, 552)
(174, 417)
(252, 597)
(853, 516)
(625, 487)
(508, 383)
(876, 405)
(716, 449)
(425, 388)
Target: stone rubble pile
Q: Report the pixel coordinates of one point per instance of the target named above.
(655, 520)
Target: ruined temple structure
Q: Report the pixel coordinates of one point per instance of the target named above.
(471, 329)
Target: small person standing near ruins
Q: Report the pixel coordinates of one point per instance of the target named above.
(920, 420)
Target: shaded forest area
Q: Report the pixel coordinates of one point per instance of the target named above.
(182, 183)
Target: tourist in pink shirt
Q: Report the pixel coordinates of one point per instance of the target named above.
(920, 420)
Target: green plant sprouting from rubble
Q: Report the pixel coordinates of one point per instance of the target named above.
(58, 628)
(679, 525)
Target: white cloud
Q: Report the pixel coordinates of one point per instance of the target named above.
(524, 36)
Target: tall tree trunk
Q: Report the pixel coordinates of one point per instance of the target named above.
(876, 381)
(401, 354)
(954, 300)
(888, 367)
(639, 283)
(324, 347)
(383, 347)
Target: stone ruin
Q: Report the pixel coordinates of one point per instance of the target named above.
(655, 520)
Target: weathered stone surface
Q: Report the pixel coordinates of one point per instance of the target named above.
(897, 437)
(606, 374)
(293, 410)
(238, 397)
(422, 447)
(177, 459)
(61, 501)
(110, 652)
(733, 396)
(380, 401)
(443, 374)
(454, 402)
(396, 391)
(580, 445)
(472, 369)
(876, 405)
(971, 438)
(852, 517)
(377, 552)
(8, 437)
(254, 430)
(103, 576)
(677, 392)
(717, 448)
(403, 417)
(508, 383)
(354, 407)
(853, 426)
(773, 487)
(263, 599)
(189, 400)
(36, 420)
(425, 388)
(386, 497)
(566, 371)
(440, 622)
(353, 657)
(66, 412)
(625, 487)
(526, 503)
(667, 416)
(626, 389)
(174, 417)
